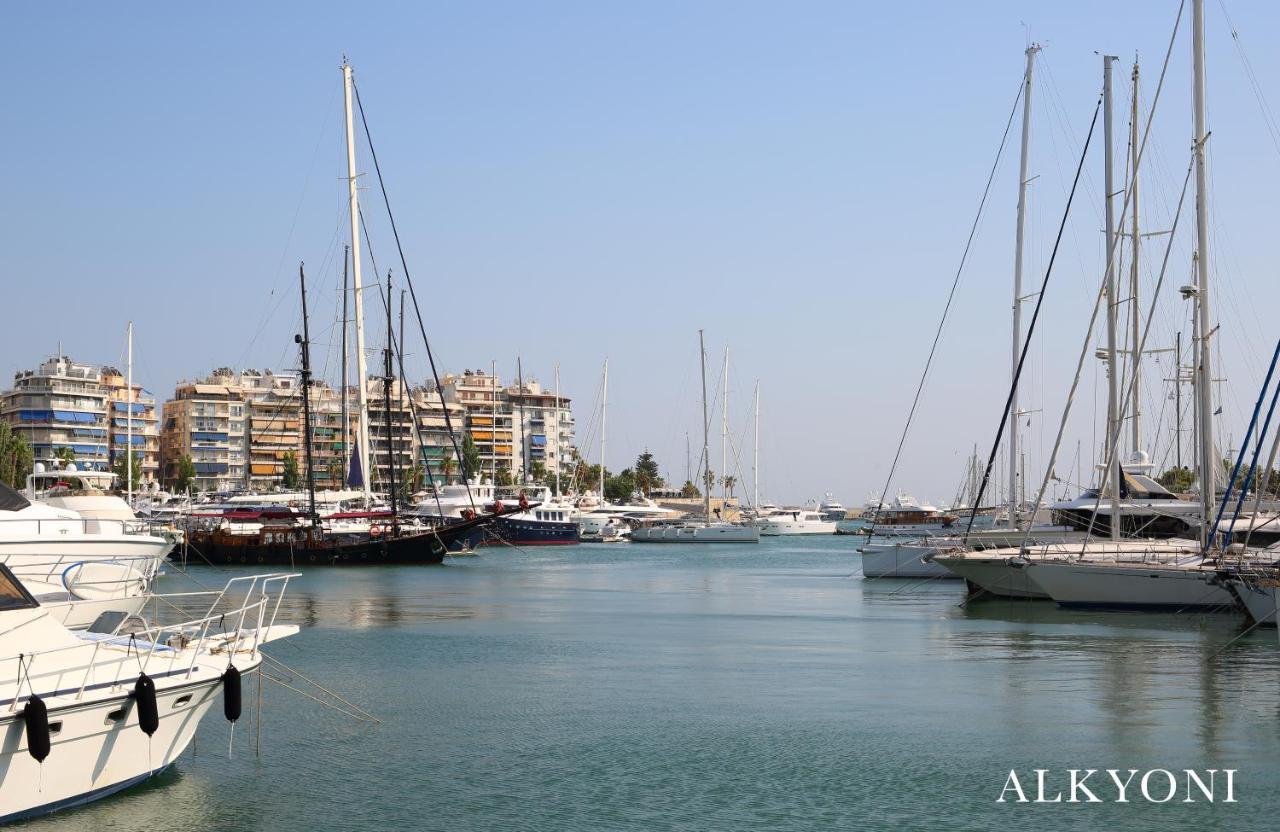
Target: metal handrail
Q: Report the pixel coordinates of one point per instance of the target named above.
(257, 600)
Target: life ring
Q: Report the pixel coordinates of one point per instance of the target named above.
(468, 514)
(524, 501)
(375, 532)
(497, 506)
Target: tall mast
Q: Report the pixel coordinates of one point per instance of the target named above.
(1113, 365)
(724, 431)
(524, 451)
(1017, 280)
(1134, 324)
(1204, 391)
(346, 407)
(706, 433)
(604, 413)
(493, 410)
(557, 437)
(128, 419)
(755, 455)
(386, 407)
(304, 341)
(357, 288)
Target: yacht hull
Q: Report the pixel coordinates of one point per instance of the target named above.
(520, 532)
(1258, 600)
(696, 534)
(1131, 586)
(901, 560)
(999, 577)
(99, 755)
(780, 528)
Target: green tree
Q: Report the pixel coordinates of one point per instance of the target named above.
(413, 480)
(121, 470)
(729, 483)
(447, 465)
(186, 473)
(335, 473)
(470, 458)
(16, 459)
(291, 478)
(65, 455)
(689, 490)
(503, 477)
(621, 486)
(709, 480)
(1177, 479)
(538, 470)
(647, 475)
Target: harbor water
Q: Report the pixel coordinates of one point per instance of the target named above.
(630, 687)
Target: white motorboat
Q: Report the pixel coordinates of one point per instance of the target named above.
(90, 714)
(79, 566)
(832, 509)
(788, 521)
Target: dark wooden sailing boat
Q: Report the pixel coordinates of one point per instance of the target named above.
(283, 540)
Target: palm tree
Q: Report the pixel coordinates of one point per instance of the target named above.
(729, 483)
(446, 465)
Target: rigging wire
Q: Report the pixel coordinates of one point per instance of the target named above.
(1035, 316)
(413, 295)
(955, 282)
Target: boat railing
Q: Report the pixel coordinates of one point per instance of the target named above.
(86, 525)
(55, 568)
(160, 647)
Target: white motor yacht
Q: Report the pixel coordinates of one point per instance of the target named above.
(89, 714)
(832, 509)
(788, 521)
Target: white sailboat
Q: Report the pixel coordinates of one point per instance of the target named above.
(706, 531)
(1189, 582)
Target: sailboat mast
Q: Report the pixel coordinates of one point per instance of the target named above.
(1204, 389)
(304, 342)
(357, 288)
(755, 455)
(387, 379)
(604, 414)
(1134, 323)
(1112, 455)
(557, 437)
(724, 431)
(346, 407)
(1017, 280)
(706, 433)
(128, 419)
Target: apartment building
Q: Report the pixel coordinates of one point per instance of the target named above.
(141, 428)
(61, 406)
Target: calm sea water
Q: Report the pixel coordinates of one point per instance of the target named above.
(632, 687)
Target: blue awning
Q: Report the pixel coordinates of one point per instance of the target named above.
(75, 416)
(537, 441)
(36, 415)
(122, 407)
(208, 436)
(93, 433)
(211, 467)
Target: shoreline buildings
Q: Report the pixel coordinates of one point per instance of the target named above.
(63, 406)
(242, 430)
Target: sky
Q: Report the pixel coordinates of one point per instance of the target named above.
(580, 180)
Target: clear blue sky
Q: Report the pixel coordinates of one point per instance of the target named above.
(576, 180)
